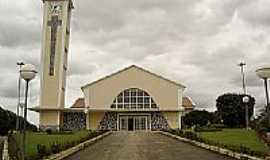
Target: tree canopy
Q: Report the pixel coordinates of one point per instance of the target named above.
(231, 108)
(199, 118)
(8, 122)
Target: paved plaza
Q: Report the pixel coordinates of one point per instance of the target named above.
(143, 146)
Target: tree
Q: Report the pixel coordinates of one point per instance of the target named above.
(8, 122)
(231, 108)
(199, 118)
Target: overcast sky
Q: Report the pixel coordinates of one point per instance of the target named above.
(195, 42)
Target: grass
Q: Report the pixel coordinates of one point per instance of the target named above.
(32, 139)
(236, 137)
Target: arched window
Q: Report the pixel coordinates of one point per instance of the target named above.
(133, 98)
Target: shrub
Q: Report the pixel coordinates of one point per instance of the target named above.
(42, 150)
(56, 148)
(207, 129)
(193, 136)
(218, 125)
(49, 131)
(179, 132)
(190, 135)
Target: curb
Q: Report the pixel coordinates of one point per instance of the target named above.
(216, 149)
(76, 148)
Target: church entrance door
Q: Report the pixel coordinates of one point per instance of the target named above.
(130, 123)
(133, 123)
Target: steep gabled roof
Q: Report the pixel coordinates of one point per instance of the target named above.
(137, 67)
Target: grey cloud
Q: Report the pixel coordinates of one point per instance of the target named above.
(8, 85)
(138, 29)
(78, 68)
(256, 13)
(20, 23)
(175, 38)
(219, 63)
(18, 33)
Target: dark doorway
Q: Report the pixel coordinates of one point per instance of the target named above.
(130, 124)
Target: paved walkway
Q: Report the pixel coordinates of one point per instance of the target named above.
(143, 146)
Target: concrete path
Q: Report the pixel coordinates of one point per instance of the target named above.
(143, 146)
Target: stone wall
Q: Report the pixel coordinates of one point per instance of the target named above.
(158, 122)
(109, 121)
(74, 121)
(77, 120)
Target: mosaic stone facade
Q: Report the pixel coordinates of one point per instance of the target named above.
(109, 121)
(158, 121)
(74, 121)
(77, 120)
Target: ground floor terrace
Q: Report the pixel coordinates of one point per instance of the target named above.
(143, 146)
(121, 120)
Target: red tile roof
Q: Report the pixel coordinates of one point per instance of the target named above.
(187, 103)
(79, 103)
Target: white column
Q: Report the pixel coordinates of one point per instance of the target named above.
(87, 118)
(118, 127)
(180, 120)
(58, 120)
(150, 124)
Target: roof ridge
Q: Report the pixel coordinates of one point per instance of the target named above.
(132, 66)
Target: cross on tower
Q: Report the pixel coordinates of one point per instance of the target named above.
(53, 23)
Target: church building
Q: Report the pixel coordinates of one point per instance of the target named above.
(128, 100)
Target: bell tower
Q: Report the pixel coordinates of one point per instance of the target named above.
(55, 50)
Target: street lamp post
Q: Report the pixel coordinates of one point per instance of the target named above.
(245, 101)
(27, 72)
(245, 98)
(242, 64)
(20, 64)
(264, 73)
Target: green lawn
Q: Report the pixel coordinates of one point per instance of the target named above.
(32, 139)
(236, 137)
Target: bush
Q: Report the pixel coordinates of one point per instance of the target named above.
(42, 150)
(207, 129)
(218, 125)
(200, 118)
(190, 135)
(8, 121)
(193, 136)
(49, 131)
(56, 148)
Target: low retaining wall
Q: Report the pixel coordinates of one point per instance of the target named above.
(76, 148)
(1, 147)
(5, 155)
(219, 150)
